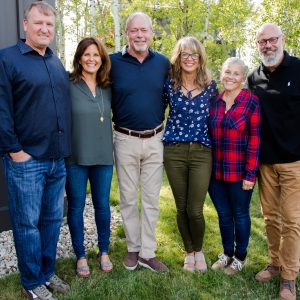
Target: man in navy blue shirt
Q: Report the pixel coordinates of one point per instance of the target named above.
(34, 139)
(138, 75)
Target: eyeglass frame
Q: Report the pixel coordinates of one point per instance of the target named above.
(264, 42)
(189, 55)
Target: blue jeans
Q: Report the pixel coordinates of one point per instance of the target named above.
(100, 181)
(233, 207)
(36, 197)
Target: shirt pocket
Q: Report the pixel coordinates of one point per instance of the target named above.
(237, 122)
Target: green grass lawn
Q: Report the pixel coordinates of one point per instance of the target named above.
(178, 284)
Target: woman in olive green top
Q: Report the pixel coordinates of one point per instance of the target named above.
(92, 150)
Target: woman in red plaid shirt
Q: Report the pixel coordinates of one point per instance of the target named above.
(235, 130)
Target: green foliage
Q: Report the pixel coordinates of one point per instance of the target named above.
(225, 27)
(286, 13)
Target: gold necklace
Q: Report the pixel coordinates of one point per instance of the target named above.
(101, 109)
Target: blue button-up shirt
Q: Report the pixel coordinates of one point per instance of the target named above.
(34, 103)
(188, 118)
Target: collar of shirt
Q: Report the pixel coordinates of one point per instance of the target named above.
(237, 99)
(24, 48)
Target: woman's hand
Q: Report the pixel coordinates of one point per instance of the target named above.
(248, 185)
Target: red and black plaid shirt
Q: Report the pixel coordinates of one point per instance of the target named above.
(235, 137)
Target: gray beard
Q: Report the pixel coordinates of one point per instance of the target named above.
(270, 61)
(141, 48)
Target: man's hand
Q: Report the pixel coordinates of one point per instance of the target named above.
(20, 156)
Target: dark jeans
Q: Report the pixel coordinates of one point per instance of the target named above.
(100, 181)
(232, 204)
(36, 196)
(188, 167)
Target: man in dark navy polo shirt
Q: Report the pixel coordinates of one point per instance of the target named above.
(34, 139)
(277, 84)
(138, 75)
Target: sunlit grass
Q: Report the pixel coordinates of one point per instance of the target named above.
(178, 284)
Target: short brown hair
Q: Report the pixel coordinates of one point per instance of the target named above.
(102, 76)
(42, 6)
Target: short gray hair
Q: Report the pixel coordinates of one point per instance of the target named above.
(138, 14)
(235, 61)
(268, 25)
(42, 6)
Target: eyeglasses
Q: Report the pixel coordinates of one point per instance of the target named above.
(272, 41)
(193, 56)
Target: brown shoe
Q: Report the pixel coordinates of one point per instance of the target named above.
(267, 273)
(287, 289)
(131, 260)
(153, 264)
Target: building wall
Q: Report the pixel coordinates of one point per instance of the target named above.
(11, 29)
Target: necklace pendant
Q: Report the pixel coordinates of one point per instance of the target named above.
(101, 119)
(189, 94)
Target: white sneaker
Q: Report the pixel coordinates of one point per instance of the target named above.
(39, 293)
(222, 262)
(236, 266)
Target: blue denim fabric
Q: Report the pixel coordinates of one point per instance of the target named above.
(100, 181)
(36, 195)
(232, 204)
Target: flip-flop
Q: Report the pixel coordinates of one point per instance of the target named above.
(83, 271)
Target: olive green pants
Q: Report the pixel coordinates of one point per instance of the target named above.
(188, 167)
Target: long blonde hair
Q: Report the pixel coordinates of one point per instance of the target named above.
(203, 75)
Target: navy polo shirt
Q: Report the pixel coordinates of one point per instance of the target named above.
(137, 90)
(35, 108)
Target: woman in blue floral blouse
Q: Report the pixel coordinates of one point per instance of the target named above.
(187, 145)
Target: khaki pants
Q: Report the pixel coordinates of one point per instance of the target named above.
(139, 162)
(279, 189)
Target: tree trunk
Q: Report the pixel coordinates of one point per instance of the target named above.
(60, 34)
(115, 12)
(92, 10)
(207, 19)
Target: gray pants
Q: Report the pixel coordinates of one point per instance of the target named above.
(188, 166)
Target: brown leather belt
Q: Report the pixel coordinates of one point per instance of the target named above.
(140, 134)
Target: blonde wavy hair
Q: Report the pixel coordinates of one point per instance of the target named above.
(189, 43)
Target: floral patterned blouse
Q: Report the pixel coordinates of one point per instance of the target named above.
(188, 118)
